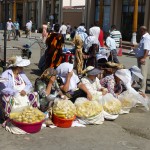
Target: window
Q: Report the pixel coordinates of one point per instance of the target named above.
(106, 15)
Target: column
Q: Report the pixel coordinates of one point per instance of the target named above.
(14, 11)
(41, 15)
(24, 13)
(135, 22)
(101, 13)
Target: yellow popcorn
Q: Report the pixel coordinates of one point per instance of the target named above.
(64, 109)
(28, 115)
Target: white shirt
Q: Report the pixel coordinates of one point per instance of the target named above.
(73, 82)
(29, 25)
(143, 45)
(63, 29)
(111, 43)
(116, 35)
(9, 25)
(92, 86)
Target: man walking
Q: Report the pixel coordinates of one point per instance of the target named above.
(141, 54)
(9, 28)
(116, 35)
(28, 28)
(63, 30)
(17, 33)
(111, 44)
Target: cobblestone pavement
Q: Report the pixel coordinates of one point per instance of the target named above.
(128, 132)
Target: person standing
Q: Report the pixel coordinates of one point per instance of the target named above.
(141, 54)
(68, 28)
(111, 44)
(53, 54)
(17, 33)
(78, 40)
(116, 35)
(28, 28)
(63, 30)
(9, 28)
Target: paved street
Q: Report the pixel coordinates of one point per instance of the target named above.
(128, 132)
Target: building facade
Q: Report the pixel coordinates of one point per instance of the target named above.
(127, 15)
(39, 11)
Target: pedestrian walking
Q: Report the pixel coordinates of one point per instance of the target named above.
(111, 44)
(9, 28)
(28, 28)
(116, 35)
(17, 33)
(53, 54)
(68, 28)
(63, 30)
(78, 40)
(141, 53)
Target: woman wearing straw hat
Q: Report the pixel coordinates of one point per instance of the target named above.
(16, 91)
(92, 83)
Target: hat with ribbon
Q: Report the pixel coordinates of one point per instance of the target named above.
(18, 61)
(90, 70)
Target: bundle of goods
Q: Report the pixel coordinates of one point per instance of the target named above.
(89, 112)
(127, 100)
(29, 119)
(86, 108)
(63, 113)
(110, 104)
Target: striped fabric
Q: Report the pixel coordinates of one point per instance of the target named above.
(116, 35)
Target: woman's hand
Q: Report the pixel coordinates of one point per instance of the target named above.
(104, 91)
(89, 96)
(22, 93)
(70, 74)
(52, 79)
(141, 93)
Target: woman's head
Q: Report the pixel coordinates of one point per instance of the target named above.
(124, 75)
(17, 69)
(48, 73)
(92, 72)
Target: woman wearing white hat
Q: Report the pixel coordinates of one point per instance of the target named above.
(15, 92)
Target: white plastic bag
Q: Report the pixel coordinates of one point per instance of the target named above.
(137, 97)
(110, 104)
(127, 100)
(89, 112)
(20, 101)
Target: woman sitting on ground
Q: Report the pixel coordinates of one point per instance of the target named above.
(16, 91)
(70, 83)
(92, 83)
(47, 88)
(112, 83)
(117, 80)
